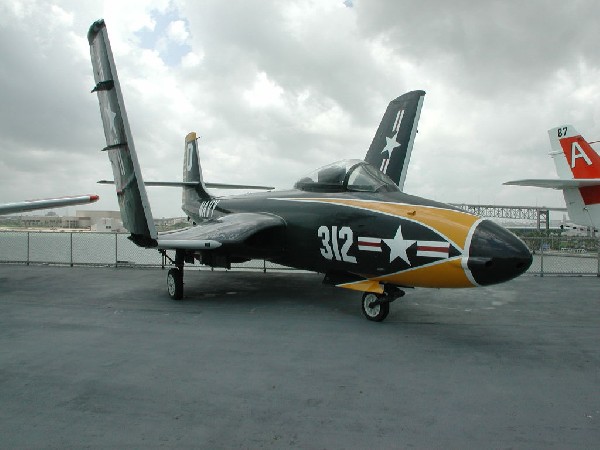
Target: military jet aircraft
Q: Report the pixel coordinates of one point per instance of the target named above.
(32, 205)
(348, 220)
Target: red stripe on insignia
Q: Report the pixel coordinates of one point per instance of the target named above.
(369, 244)
(432, 249)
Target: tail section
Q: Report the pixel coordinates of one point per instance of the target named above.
(131, 193)
(392, 145)
(573, 155)
(575, 159)
(194, 194)
(578, 168)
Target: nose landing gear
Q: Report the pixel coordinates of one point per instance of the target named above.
(376, 307)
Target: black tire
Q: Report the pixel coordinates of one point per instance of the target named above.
(376, 313)
(175, 283)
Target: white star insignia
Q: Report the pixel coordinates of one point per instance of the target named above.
(390, 145)
(111, 116)
(398, 246)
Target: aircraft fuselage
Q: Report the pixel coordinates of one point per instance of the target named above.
(387, 237)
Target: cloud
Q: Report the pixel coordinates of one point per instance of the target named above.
(264, 92)
(276, 89)
(177, 31)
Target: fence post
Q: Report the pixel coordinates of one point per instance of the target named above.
(541, 258)
(28, 248)
(116, 249)
(71, 249)
(598, 256)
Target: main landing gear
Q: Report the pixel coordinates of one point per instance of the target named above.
(175, 283)
(376, 307)
(175, 275)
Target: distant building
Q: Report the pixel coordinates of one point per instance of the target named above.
(108, 225)
(87, 218)
(50, 221)
(103, 221)
(166, 222)
(100, 221)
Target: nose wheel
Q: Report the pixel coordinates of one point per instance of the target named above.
(375, 307)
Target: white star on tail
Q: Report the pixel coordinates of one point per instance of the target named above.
(390, 145)
(398, 246)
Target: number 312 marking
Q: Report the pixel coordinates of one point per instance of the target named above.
(331, 241)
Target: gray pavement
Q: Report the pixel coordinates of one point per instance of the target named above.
(101, 358)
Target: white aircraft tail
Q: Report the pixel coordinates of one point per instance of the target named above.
(578, 167)
(575, 159)
(573, 156)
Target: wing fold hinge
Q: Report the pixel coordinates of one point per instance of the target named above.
(105, 85)
(114, 146)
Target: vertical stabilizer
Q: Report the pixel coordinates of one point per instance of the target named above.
(573, 156)
(392, 145)
(575, 159)
(195, 192)
(131, 193)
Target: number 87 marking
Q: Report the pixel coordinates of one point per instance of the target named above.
(331, 243)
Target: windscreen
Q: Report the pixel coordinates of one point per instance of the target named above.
(347, 175)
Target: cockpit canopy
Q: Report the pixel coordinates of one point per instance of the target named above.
(348, 175)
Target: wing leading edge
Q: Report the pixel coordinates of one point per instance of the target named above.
(197, 183)
(227, 231)
(32, 205)
(556, 183)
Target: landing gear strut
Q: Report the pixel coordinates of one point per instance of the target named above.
(376, 307)
(175, 276)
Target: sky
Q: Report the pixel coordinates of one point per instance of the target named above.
(276, 89)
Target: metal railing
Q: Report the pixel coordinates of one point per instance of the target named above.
(560, 255)
(554, 255)
(90, 248)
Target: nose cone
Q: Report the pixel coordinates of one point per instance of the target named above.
(496, 255)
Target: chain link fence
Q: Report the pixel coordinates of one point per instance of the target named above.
(553, 255)
(564, 255)
(89, 248)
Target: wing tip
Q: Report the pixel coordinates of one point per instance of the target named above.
(190, 137)
(95, 29)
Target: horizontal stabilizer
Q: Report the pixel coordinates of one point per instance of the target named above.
(556, 183)
(197, 183)
(232, 229)
(238, 186)
(32, 205)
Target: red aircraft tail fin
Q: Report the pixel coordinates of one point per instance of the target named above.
(575, 159)
(581, 159)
